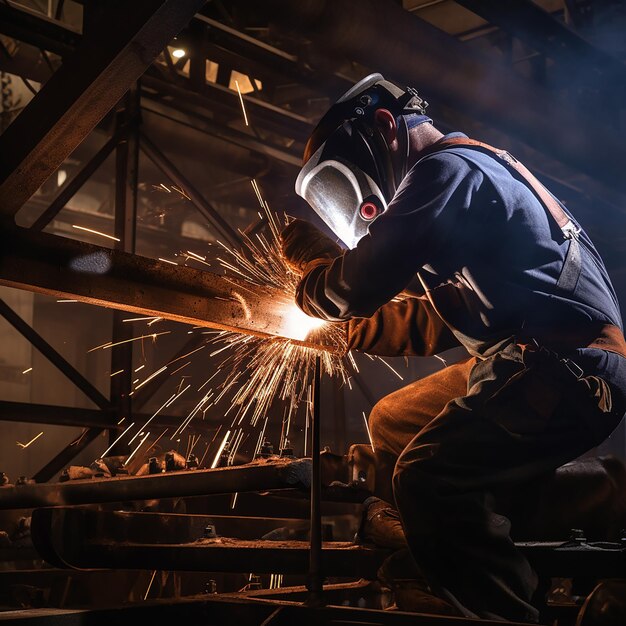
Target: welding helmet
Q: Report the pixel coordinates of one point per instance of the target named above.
(348, 175)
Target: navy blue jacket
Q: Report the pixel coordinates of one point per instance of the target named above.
(487, 254)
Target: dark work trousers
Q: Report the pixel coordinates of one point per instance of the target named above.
(477, 428)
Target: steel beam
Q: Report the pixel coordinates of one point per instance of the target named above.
(226, 101)
(290, 557)
(72, 187)
(34, 28)
(126, 183)
(544, 32)
(213, 609)
(256, 476)
(197, 199)
(316, 561)
(88, 84)
(179, 111)
(93, 418)
(63, 458)
(67, 268)
(156, 527)
(223, 555)
(416, 53)
(81, 538)
(53, 356)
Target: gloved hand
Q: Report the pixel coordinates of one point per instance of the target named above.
(303, 243)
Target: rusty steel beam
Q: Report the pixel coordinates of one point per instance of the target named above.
(234, 608)
(256, 476)
(83, 90)
(92, 546)
(68, 268)
(36, 29)
(223, 555)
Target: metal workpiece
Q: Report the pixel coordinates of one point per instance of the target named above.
(67, 268)
(221, 554)
(81, 539)
(256, 476)
(167, 528)
(238, 608)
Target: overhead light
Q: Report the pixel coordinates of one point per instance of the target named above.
(178, 53)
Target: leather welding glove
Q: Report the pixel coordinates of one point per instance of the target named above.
(302, 243)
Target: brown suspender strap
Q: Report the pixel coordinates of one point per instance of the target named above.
(603, 336)
(559, 215)
(573, 262)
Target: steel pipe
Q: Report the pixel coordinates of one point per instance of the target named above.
(256, 476)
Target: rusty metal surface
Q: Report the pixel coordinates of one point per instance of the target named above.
(217, 610)
(256, 476)
(79, 94)
(168, 528)
(223, 555)
(66, 268)
(82, 538)
(34, 28)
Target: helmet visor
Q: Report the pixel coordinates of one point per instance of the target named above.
(344, 196)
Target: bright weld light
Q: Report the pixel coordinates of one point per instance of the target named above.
(299, 324)
(179, 53)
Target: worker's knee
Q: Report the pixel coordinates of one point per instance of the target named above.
(381, 424)
(421, 471)
(410, 480)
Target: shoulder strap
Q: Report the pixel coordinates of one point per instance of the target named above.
(552, 206)
(572, 264)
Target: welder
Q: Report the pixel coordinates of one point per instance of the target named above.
(440, 240)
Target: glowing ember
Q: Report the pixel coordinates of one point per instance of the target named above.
(25, 445)
(95, 232)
